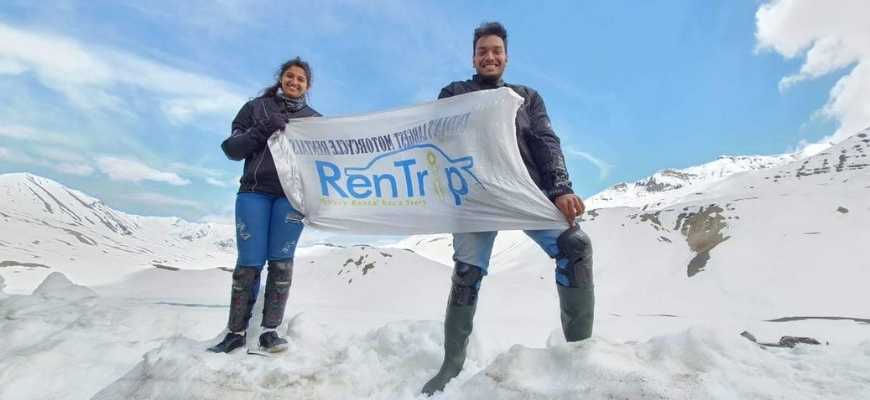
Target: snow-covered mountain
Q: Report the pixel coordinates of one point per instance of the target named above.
(48, 227)
(671, 186)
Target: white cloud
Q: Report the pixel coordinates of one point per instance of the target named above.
(218, 183)
(74, 169)
(120, 169)
(210, 176)
(832, 36)
(603, 166)
(11, 67)
(62, 162)
(195, 170)
(158, 199)
(59, 154)
(90, 76)
(28, 133)
(17, 132)
(15, 157)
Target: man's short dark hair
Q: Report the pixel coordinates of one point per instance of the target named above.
(489, 28)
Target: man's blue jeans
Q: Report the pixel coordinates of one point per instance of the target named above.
(475, 248)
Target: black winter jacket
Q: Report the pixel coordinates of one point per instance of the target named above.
(539, 146)
(248, 142)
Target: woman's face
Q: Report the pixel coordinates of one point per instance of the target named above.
(294, 82)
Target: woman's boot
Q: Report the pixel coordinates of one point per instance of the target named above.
(246, 284)
(275, 300)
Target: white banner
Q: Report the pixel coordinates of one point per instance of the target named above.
(451, 165)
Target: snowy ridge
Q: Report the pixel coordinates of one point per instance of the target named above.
(50, 227)
(674, 185)
(30, 196)
(671, 186)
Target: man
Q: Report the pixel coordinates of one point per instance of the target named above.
(541, 153)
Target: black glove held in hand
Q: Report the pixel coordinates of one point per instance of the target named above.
(275, 122)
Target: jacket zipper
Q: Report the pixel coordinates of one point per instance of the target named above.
(262, 155)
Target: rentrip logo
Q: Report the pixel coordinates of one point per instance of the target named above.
(381, 178)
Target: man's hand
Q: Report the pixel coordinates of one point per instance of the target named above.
(571, 206)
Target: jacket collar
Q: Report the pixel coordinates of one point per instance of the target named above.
(487, 83)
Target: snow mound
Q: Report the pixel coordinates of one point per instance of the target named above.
(391, 362)
(394, 361)
(694, 364)
(57, 286)
(63, 342)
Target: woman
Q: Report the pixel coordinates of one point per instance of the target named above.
(267, 226)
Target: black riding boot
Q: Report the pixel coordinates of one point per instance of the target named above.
(577, 309)
(458, 324)
(242, 297)
(274, 301)
(577, 299)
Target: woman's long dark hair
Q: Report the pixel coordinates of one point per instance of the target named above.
(272, 90)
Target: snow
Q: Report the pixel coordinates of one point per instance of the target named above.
(105, 339)
(127, 312)
(692, 364)
(57, 286)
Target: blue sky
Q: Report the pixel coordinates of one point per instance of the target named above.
(129, 101)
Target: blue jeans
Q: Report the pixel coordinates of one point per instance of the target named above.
(475, 248)
(267, 228)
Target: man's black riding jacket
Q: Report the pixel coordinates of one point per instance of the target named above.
(539, 146)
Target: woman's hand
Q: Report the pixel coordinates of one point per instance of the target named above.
(276, 122)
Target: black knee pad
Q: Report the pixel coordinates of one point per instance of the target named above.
(242, 297)
(575, 246)
(244, 278)
(466, 283)
(277, 292)
(281, 270)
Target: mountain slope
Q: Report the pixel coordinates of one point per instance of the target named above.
(48, 226)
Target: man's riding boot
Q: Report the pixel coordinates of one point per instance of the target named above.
(458, 324)
(575, 284)
(577, 307)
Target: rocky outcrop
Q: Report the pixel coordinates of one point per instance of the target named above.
(703, 231)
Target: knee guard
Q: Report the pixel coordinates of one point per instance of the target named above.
(242, 297)
(277, 291)
(466, 283)
(574, 261)
(282, 271)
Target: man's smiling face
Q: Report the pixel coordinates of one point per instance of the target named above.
(490, 57)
